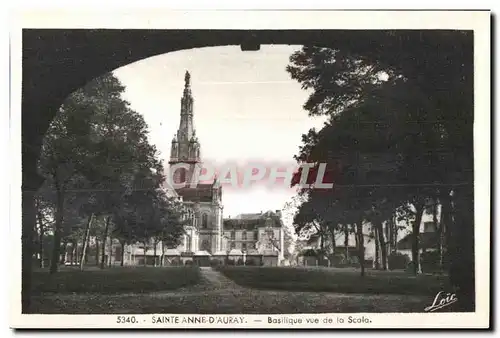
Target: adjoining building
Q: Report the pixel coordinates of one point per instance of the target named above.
(257, 236)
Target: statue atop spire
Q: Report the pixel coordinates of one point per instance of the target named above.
(187, 79)
(187, 97)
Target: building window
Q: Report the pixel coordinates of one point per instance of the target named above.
(205, 245)
(244, 247)
(204, 221)
(118, 253)
(256, 234)
(244, 235)
(233, 235)
(233, 245)
(191, 218)
(182, 175)
(270, 233)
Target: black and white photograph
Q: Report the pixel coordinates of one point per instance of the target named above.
(236, 177)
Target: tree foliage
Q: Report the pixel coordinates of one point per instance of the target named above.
(98, 162)
(399, 133)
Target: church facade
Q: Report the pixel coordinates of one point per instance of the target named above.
(207, 231)
(203, 203)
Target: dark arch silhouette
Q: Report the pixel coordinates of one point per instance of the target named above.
(56, 62)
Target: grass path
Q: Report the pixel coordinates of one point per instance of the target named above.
(216, 294)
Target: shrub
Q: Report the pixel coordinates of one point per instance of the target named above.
(429, 261)
(250, 262)
(323, 261)
(398, 260)
(189, 263)
(338, 260)
(214, 262)
(240, 262)
(114, 281)
(410, 267)
(229, 262)
(309, 253)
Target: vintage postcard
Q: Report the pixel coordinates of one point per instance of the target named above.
(250, 169)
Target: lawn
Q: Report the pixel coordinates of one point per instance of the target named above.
(115, 280)
(335, 280)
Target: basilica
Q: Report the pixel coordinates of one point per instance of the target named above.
(203, 203)
(256, 239)
(207, 233)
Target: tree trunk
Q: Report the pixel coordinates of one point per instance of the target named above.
(69, 251)
(104, 238)
(388, 234)
(31, 182)
(59, 214)
(415, 236)
(110, 250)
(437, 228)
(85, 242)
(155, 243)
(145, 250)
(86, 254)
(123, 253)
(346, 242)
(356, 237)
(334, 244)
(41, 235)
(461, 246)
(64, 258)
(75, 251)
(96, 251)
(377, 248)
(382, 244)
(162, 253)
(443, 229)
(395, 233)
(361, 247)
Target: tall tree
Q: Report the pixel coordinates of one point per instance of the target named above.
(418, 85)
(95, 155)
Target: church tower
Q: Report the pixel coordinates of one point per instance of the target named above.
(185, 146)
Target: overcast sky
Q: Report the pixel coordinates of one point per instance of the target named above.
(246, 107)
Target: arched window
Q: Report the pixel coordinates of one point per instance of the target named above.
(182, 175)
(204, 221)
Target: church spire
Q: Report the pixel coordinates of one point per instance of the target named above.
(186, 125)
(185, 146)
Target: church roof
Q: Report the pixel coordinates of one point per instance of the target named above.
(201, 193)
(169, 190)
(253, 221)
(249, 216)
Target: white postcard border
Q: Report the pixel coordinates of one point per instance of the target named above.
(479, 21)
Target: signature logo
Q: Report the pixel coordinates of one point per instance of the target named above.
(441, 300)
